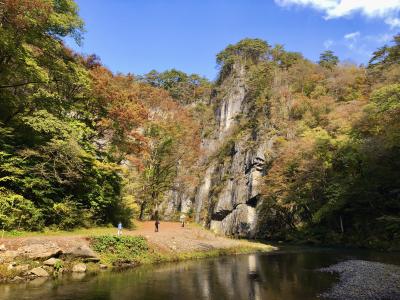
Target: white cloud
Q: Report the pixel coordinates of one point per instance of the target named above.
(379, 38)
(393, 22)
(328, 44)
(351, 40)
(384, 9)
(352, 36)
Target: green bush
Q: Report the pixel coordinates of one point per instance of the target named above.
(18, 213)
(123, 249)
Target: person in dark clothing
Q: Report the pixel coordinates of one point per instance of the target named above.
(157, 221)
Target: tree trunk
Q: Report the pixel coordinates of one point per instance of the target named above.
(341, 224)
(142, 207)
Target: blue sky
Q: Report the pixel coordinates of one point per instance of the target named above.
(140, 35)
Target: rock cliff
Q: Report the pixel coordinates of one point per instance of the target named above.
(234, 161)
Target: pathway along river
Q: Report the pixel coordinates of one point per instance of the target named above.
(290, 273)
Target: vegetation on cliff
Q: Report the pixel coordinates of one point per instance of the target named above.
(332, 176)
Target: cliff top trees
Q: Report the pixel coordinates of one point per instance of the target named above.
(247, 50)
(182, 87)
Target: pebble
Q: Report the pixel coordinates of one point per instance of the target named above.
(364, 280)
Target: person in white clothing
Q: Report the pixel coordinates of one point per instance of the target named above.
(182, 219)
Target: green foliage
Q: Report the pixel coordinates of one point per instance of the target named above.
(120, 250)
(16, 212)
(246, 51)
(335, 180)
(328, 59)
(52, 173)
(182, 87)
(387, 55)
(58, 265)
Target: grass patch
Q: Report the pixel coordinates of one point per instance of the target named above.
(120, 250)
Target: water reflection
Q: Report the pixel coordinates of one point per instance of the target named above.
(275, 276)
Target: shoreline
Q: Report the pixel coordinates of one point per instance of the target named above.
(26, 258)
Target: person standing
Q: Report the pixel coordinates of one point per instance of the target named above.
(157, 223)
(119, 229)
(182, 219)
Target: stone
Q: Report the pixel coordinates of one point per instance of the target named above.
(92, 259)
(22, 268)
(51, 261)
(8, 255)
(2, 248)
(17, 278)
(40, 272)
(103, 266)
(39, 251)
(79, 268)
(82, 251)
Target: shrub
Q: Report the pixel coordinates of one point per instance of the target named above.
(124, 249)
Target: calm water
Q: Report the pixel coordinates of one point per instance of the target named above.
(286, 274)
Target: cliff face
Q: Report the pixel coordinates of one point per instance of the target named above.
(234, 162)
(228, 195)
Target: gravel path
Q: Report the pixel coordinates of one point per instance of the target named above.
(364, 280)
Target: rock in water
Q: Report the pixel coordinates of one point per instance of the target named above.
(40, 272)
(17, 278)
(79, 268)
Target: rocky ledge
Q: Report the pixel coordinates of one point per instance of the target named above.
(44, 260)
(364, 280)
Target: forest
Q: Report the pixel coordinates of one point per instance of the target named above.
(81, 146)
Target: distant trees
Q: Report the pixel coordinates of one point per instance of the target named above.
(328, 59)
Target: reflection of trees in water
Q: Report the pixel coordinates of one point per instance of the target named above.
(283, 276)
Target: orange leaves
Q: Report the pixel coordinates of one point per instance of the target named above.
(22, 15)
(129, 107)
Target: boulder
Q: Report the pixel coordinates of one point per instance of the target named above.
(22, 268)
(40, 272)
(18, 278)
(51, 261)
(103, 266)
(8, 255)
(2, 248)
(79, 268)
(82, 251)
(39, 251)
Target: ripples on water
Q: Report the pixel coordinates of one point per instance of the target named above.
(286, 275)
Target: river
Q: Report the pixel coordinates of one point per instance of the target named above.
(290, 273)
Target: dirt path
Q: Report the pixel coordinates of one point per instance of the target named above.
(171, 237)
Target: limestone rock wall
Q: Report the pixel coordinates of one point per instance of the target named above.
(228, 194)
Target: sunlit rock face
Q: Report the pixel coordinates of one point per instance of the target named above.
(234, 162)
(228, 195)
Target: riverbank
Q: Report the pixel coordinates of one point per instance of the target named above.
(29, 257)
(365, 280)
